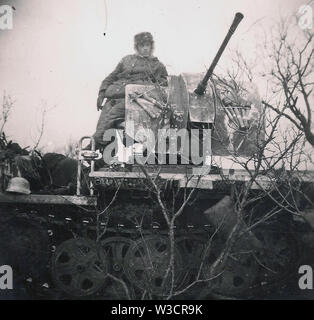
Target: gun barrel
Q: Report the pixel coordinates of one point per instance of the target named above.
(203, 84)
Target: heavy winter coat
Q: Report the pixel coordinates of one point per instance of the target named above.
(132, 69)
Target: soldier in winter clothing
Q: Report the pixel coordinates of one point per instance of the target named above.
(139, 68)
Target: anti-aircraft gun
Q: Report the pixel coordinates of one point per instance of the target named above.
(182, 124)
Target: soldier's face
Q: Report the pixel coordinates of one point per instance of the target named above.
(145, 49)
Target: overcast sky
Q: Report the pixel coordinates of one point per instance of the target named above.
(57, 54)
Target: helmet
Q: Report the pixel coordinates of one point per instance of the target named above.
(143, 37)
(18, 185)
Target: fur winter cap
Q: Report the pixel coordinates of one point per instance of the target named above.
(143, 37)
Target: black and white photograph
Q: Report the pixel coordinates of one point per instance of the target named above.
(156, 150)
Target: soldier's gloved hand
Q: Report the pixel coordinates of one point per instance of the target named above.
(100, 100)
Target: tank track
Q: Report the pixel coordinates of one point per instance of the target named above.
(59, 227)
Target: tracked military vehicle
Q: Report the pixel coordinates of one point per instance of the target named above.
(113, 241)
